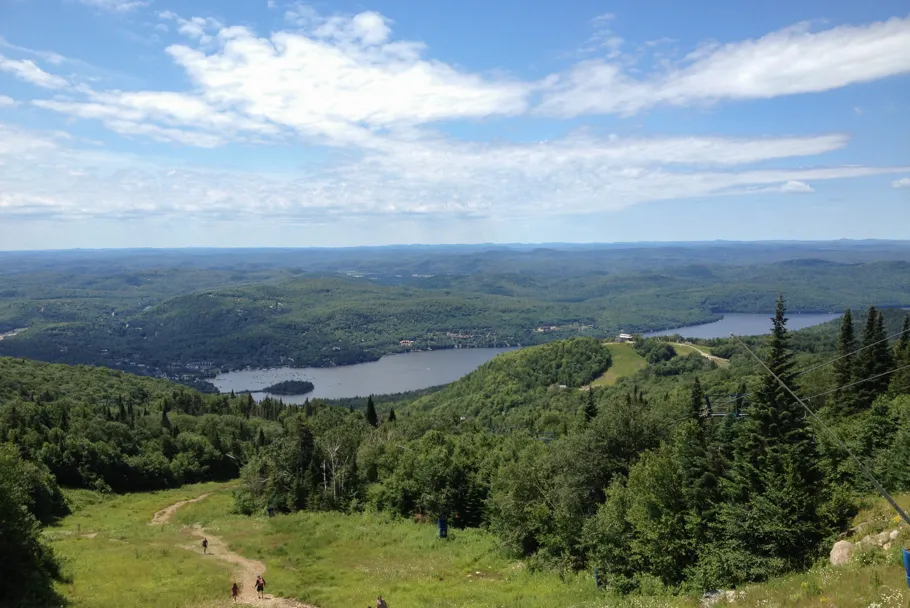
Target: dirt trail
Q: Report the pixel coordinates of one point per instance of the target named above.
(164, 515)
(715, 358)
(245, 570)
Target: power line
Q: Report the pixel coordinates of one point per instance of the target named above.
(850, 354)
(840, 388)
(871, 477)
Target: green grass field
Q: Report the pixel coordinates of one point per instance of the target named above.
(116, 559)
(337, 561)
(332, 560)
(625, 363)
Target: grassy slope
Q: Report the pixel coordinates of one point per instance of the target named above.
(116, 559)
(338, 561)
(625, 363)
(330, 559)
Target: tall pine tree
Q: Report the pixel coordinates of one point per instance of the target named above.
(372, 418)
(874, 361)
(900, 382)
(590, 406)
(843, 401)
(772, 521)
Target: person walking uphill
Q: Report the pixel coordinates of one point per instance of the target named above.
(260, 586)
(235, 591)
(205, 545)
(380, 603)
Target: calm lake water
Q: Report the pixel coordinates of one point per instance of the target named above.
(391, 374)
(412, 371)
(743, 325)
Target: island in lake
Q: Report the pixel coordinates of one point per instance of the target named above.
(289, 387)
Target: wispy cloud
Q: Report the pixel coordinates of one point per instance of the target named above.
(116, 6)
(6, 101)
(903, 182)
(28, 70)
(338, 80)
(787, 62)
(344, 81)
(796, 187)
(45, 175)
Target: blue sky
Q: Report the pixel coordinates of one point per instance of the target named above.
(254, 123)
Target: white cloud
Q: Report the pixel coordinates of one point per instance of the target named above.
(116, 6)
(903, 182)
(44, 175)
(338, 80)
(796, 187)
(787, 62)
(344, 81)
(27, 70)
(6, 101)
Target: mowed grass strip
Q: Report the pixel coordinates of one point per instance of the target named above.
(625, 363)
(335, 560)
(114, 558)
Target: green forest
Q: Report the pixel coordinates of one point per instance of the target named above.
(684, 477)
(185, 324)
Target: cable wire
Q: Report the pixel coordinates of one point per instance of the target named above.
(840, 388)
(871, 477)
(850, 354)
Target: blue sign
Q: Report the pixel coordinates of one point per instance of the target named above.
(443, 527)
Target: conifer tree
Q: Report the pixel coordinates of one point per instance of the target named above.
(696, 401)
(260, 438)
(590, 406)
(844, 401)
(900, 381)
(392, 415)
(699, 483)
(874, 361)
(372, 418)
(772, 515)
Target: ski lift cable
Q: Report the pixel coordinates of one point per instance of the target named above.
(850, 354)
(871, 477)
(840, 388)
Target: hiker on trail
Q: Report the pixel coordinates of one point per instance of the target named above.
(380, 603)
(260, 586)
(235, 591)
(205, 545)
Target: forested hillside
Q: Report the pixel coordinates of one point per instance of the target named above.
(637, 480)
(313, 321)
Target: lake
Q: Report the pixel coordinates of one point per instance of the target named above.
(390, 374)
(743, 324)
(416, 370)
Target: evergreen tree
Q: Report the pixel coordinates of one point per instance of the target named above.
(392, 415)
(697, 402)
(260, 439)
(844, 401)
(590, 406)
(772, 518)
(699, 485)
(371, 417)
(165, 421)
(900, 381)
(875, 360)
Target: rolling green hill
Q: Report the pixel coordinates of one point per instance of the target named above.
(331, 321)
